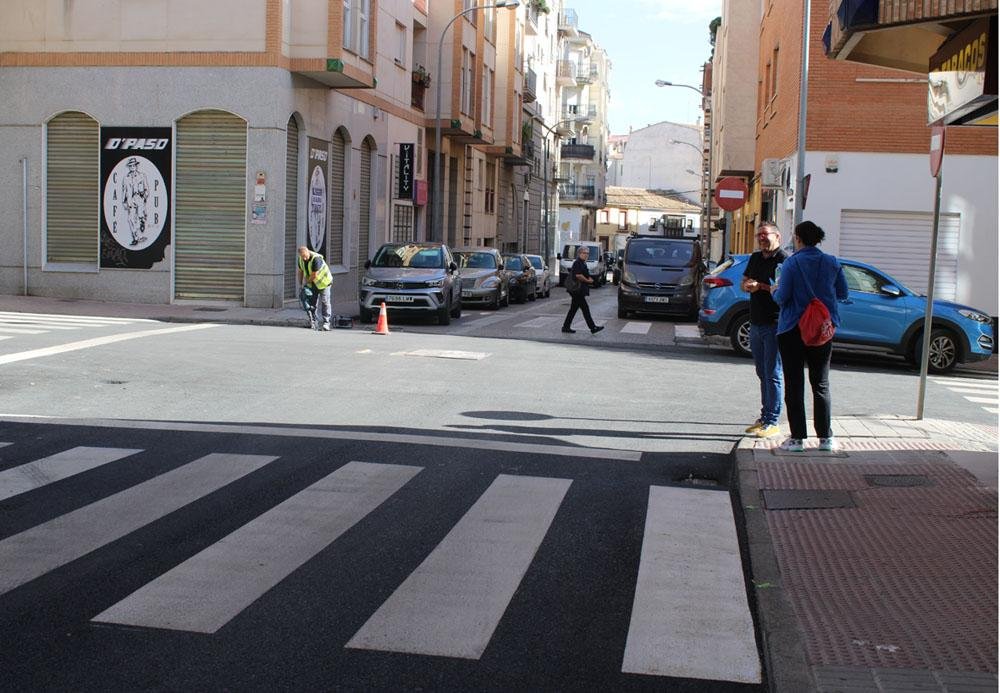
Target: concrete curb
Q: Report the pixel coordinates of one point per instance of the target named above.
(782, 639)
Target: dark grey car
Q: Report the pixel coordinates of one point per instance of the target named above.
(411, 278)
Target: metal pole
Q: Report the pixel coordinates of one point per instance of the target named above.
(24, 216)
(707, 231)
(800, 163)
(545, 195)
(929, 309)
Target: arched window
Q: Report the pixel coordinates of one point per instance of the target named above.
(338, 178)
(365, 200)
(72, 189)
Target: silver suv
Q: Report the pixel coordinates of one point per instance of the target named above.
(411, 278)
(484, 279)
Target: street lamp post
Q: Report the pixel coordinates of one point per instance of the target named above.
(545, 178)
(708, 202)
(438, 192)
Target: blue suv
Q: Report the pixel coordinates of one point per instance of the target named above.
(880, 313)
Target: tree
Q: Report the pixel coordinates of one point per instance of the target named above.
(713, 28)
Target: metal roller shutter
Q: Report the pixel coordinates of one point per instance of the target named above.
(291, 205)
(210, 254)
(338, 170)
(365, 199)
(72, 189)
(899, 244)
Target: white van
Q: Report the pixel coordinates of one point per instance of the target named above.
(595, 262)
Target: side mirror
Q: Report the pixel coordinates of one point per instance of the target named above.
(891, 290)
(452, 267)
(546, 268)
(368, 264)
(558, 256)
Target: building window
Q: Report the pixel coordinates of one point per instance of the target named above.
(72, 189)
(603, 217)
(489, 24)
(487, 93)
(490, 196)
(402, 223)
(400, 57)
(774, 72)
(356, 26)
(623, 221)
(466, 96)
(472, 16)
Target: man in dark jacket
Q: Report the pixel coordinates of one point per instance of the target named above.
(578, 285)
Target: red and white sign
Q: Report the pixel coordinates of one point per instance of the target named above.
(731, 193)
(937, 149)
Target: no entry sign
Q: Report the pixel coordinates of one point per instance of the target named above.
(731, 193)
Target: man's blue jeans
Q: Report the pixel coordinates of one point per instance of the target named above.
(764, 345)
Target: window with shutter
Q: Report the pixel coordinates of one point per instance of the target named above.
(72, 189)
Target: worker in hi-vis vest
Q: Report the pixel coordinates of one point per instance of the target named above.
(314, 275)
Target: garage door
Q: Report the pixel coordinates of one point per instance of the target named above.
(291, 204)
(899, 243)
(210, 256)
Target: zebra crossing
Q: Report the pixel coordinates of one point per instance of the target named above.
(635, 328)
(982, 392)
(20, 324)
(690, 615)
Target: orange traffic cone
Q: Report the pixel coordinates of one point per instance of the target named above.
(383, 321)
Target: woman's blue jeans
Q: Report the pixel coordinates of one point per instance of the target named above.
(764, 345)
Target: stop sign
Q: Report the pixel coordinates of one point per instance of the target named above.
(731, 193)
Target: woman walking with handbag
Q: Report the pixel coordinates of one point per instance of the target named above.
(578, 285)
(807, 292)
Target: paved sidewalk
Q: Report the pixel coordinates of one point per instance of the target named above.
(875, 568)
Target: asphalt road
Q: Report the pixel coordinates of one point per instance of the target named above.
(505, 514)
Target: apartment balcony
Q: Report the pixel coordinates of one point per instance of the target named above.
(531, 26)
(526, 156)
(565, 73)
(583, 113)
(586, 74)
(530, 83)
(568, 23)
(577, 151)
(572, 192)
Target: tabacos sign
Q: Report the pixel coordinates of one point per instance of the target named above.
(135, 196)
(962, 77)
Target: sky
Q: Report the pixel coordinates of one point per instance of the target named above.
(647, 40)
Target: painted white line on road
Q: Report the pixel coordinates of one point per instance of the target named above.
(632, 327)
(984, 400)
(375, 437)
(966, 382)
(3, 338)
(973, 391)
(690, 617)
(31, 324)
(98, 341)
(686, 332)
(93, 318)
(991, 410)
(36, 551)
(209, 589)
(444, 354)
(3, 445)
(62, 465)
(13, 330)
(451, 604)
(541, 321)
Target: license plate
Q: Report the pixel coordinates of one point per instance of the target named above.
(466, 294)
(399, 299)
(657, 299)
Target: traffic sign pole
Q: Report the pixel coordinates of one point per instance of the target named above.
(937, 155)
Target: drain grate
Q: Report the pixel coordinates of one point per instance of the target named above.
(694, 480)
(209, 309)
(806, 499)
(898, 480)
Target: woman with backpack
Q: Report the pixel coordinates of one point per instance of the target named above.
(810, 284)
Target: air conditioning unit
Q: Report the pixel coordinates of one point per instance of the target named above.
(772, 174)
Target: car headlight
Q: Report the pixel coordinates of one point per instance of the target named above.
(975, 315)
(368, 281)
(628, 278)
(686, 280)
(434, 283)
(490, 283)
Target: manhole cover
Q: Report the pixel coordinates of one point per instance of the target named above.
(209, 309)
(703, 481)
(806, 499)
(898, 480)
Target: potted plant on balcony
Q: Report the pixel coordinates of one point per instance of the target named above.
(539, 6)
(421, 80)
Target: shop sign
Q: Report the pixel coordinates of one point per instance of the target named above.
(135, 196)
(316, 177)
(962, 79)
(406, 150)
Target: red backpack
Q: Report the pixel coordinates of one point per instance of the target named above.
(815, 325)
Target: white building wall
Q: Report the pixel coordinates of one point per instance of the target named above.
(651, 162)
(902, 182)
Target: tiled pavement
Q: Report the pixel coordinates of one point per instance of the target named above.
(878, 572)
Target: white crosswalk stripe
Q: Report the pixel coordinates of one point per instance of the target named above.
(56, 467)
(985, 392)
(210, 589)
(636, 327)
(690, 615)
(39, 323)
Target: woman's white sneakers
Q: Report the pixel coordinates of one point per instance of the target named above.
(792, 445)
(797, 445)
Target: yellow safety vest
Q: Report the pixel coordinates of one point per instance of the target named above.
(323, 277)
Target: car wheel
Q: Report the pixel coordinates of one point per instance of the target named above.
(622, 313)
(739, 335)
(534, 293)
(365, 316)
(495, 303)
(444, 315)
(944, 351)
(456, 312)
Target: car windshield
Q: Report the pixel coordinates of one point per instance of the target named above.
(512, 262)
(569, 252)
(409, 255)
(659, 253)
(476, 260)
(536, 262)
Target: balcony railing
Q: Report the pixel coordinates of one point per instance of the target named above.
(586, 73)
(571, 191)
(417, 91)
(577, 151)
(530, 82)
(581, 112)
(568, 22)
(565, 73)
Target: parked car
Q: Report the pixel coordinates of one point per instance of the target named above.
(412, 278)
(484, 279)
(880, 314)
(523, 281)
(660, 275)
(595, 262)
(542, 275)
